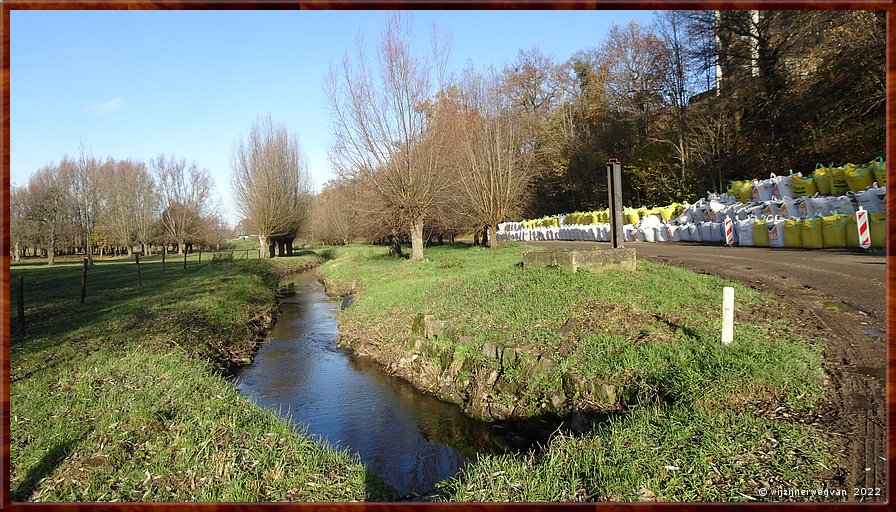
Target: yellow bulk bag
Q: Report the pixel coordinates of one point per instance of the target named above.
(879, 167)
(822, 177)
(859, 178)
(839, 186)
(666, 212)
(803, 186)
(812, 234)
(852, 232)
(833, 229)
(630, 216)
(742, 190)
(793, 233)
(760, 233)
(877, 226)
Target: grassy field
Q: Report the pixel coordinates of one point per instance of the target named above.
(686, 423)
(123, 398)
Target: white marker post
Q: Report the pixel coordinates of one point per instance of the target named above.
(727, 315)
(862, 225)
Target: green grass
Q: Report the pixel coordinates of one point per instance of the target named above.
(651, 335)
(122, 398)
(653, 332)
(654, 454)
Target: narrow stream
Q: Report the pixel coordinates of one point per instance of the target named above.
(413, 440)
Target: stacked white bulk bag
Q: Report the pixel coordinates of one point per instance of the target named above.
(661, 233)
(628, 232)
(674, 232)
(694, 231)
(775, 226)
(842, 204)
(786, 207)
(803, 208)
(645, 234)
(684, 233)
(744, 229)
(820, 204)
(685, 217)
(782, 186)
(763, 190)
(870, 199)
(768, 208)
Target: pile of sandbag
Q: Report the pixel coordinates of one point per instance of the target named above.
(811, 212)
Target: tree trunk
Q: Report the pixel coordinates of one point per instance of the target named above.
(441, 239)
(289, 247)
(16, 256)
(492, 233)
(51, 249)
(262, 246)
(485, 238)
(476, 237)
(281, 248)
(417, 238)
(395, 244)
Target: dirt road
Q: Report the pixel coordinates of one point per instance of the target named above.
(840, 296)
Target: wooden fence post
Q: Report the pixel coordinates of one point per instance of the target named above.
(84, 281)
(21, 297)
(139, 277)
(164, 251)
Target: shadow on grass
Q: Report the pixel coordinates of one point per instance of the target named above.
(50, 461)
(376, 489)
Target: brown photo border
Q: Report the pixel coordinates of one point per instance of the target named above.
(890, 322)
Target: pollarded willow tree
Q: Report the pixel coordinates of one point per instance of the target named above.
(379, 127)
(497, 169)
(271, 185)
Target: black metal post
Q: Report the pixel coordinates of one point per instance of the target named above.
(614, 190)
(84, 281)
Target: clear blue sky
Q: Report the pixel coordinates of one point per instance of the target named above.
(134, 84)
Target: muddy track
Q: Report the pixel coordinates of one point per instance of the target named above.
(838, 297)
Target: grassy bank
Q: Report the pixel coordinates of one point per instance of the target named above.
(642, 345)
(122, 398)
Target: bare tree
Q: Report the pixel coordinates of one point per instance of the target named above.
(271, 184)
(145, 206)
(119, 200)
(49, 205)
(185, 195)
(498, 156)
(332, 219)
(22, 230)
(84, 183)
(378, 127)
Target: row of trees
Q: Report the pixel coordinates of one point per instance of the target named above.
(693, 100)
(86, 206)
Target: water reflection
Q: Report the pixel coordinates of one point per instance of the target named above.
(412, 439)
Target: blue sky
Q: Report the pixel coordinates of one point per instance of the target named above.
(134, 84)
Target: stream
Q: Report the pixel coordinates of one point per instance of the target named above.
(412, 439)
